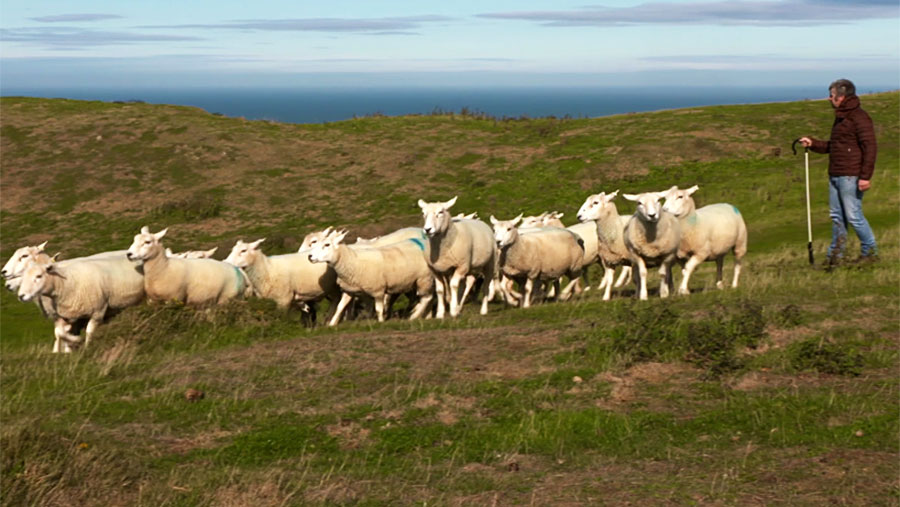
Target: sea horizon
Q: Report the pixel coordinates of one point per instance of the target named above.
(323, 105)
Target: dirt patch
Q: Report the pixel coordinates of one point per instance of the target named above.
(627, 387)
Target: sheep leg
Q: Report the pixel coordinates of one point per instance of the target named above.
(455, 305)
(608, 274)
(665, 279)
(510, 293)
(379, 307)
(61, 329)
(623, 276)
(689, 268)
(737, 272)
(573, 284)
(529, 285)
(342, 304)
(720, 263)
(642, 278)
(587, 281)
(470, 282)
(491, 291)
(440, 291)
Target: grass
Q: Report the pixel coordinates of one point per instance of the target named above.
(784, 390)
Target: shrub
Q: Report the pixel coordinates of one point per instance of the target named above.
(825, 356)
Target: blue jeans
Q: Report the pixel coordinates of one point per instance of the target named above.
(845, 207)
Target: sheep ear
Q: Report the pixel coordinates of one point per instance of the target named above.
(42, 246)
(673, 188)
(559, 215)
(328, 230)
(169, 252)
(449, 204)
(159, 235)
(631, 197)
(516, 220)
(211, 251)
(256, 243)
(422, 204)
(145, 230)
(612, 195)
(55, 257)
(339, 236)
(493, 220)
(692, 190)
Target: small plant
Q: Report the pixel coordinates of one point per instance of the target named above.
(825, 356)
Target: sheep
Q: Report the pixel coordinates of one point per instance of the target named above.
(708, 233)
(193, 254)
(652, 237)
(600, 211)
(16, 264)
(84, 289)
(545, 219)
(192, 281)
(541, 255)
(456, 250)
(286, 279)
(377, 272)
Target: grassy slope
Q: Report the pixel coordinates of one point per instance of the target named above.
(755, 395)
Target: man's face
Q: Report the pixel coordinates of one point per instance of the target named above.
(834, 99)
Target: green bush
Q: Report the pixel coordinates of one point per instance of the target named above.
(825, 356)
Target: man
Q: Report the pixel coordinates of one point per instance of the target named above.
(851, 162)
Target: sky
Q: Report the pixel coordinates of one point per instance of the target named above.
(291, 43)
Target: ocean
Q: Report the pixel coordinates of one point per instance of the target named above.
(318, 105)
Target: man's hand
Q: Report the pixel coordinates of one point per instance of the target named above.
(806, 142)
(864, 185)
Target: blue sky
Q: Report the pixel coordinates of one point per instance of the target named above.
(164, 43)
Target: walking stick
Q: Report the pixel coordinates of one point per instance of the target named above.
(808, 217)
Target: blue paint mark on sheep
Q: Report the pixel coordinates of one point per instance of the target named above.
(240, 280)
(692, 219)
(736, 211)
(419, 243)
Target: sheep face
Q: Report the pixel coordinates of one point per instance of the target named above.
(243, 254)
(533, 221)
(34, 280)
(679, 202)
(437, 216)
(314, 238)
(145, 245)
(552, 219)
(193, 254)
(597, 206)
(505, 231)
(648, 207)
(326, 250)
(15, 266)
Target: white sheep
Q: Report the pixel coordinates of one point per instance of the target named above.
(708, 233)
(457, 250)
(192, 254)
(16, 264)
(600, 211)
(83, 289)
(286, 279)
(652, 237)
(544, 254)
(377, 272)
(192, 281)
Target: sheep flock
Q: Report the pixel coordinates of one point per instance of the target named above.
(437, 265)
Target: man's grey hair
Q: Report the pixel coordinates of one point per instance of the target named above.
(842, 88)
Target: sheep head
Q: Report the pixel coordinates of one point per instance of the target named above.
(243, 254)
(326, 250)
(146, 245)
(679, 202)
(505, 231)
(437, 216)
(648, 207)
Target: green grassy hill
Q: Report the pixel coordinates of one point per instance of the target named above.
(784, 390)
